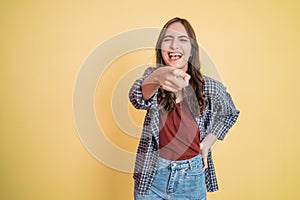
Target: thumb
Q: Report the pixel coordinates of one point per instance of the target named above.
(205, 165)
(186, 78)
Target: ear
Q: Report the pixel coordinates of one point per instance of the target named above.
(191, 54)
(190, 58)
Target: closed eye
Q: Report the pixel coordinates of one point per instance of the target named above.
(184, 38)
(167, 39)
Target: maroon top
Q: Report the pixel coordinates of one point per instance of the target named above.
(179, 135)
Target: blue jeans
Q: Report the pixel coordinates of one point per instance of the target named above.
(177, 180)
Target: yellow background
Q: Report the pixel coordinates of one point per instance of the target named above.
(255, 45)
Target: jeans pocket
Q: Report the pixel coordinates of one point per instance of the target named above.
(194, 184)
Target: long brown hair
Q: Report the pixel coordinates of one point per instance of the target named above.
(168, 99)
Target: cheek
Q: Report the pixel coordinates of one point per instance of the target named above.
(165, 57)
(188, 50)
(164, 54)
(163, 47)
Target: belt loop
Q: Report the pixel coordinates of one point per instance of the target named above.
(190, 163)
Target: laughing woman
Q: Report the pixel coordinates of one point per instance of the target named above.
(187, 113)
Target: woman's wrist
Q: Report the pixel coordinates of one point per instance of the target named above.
(150, 85)
(208, 142)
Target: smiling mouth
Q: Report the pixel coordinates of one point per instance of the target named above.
(174, 55)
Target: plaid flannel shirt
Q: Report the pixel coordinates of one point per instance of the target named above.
(218, 117)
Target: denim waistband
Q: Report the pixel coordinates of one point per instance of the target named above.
(180, 164)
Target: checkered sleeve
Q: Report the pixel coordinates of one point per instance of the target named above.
(225, 112)
(135, 93)
(210, 175)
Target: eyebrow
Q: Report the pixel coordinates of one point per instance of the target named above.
(181, 36)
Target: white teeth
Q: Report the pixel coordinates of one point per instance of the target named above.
(175, 54)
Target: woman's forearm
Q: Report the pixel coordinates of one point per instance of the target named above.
(209, 140)
(205, 146)
(150, 86)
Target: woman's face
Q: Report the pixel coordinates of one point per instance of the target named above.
(176, 46)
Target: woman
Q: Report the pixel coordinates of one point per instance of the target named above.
(186, 113)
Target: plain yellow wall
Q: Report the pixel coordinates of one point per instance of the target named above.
(254, 44)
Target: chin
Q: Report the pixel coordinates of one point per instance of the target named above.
(178, 66)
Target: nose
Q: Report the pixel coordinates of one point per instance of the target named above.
(174, 44)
